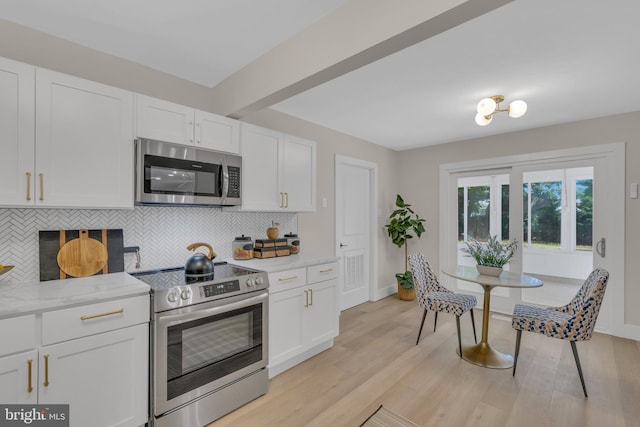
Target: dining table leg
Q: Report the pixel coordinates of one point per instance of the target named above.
(483, 354)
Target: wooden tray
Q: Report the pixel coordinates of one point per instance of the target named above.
(51, 241)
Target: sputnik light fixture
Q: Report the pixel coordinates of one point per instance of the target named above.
(487, 107)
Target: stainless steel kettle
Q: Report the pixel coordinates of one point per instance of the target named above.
(199, 265)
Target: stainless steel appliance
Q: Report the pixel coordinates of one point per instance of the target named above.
(174, 174)
(209, 343)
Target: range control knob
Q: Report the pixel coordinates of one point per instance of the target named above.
(172, 296)
(259, 281)
(250, 282)
(185, 294)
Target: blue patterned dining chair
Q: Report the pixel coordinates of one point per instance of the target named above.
(431, 295)
(574, 321)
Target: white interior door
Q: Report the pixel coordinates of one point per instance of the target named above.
(355, 219)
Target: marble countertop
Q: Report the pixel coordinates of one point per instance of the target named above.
(31, 297)
(273, 265)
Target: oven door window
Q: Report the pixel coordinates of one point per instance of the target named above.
(164, 175)
(204, 350)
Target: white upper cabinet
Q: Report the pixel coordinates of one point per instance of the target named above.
(163, 120)
(166, 121)
(217, 132)
(84, 143)
(260, 169)
(17, 136)
(66, 142)
(278, 171)
(298, 172)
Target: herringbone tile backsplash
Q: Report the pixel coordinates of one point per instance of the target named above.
(161, 232)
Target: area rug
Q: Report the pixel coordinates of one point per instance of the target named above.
(383, 417)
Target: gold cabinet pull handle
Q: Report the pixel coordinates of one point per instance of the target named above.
(46, 370)
(199, 134)
(328, 270)
(110, 313)
(191, 131)
(284, 279)
(306, 298)
(311, 296)
(28, 186)
(281, 199)
(41, 186)
(286, 195)
(29, 387)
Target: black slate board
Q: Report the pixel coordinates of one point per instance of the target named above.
(50, 245)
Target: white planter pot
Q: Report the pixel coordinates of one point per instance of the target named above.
(488, 270)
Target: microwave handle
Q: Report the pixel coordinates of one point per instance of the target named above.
(225, 179)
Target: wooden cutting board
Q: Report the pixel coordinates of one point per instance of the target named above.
(83, 256)
(61, 242)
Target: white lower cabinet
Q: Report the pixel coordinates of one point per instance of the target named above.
(303, 315)
(18, 367)
(102, 376)
(18, 378)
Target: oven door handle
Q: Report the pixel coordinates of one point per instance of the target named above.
(172, 319)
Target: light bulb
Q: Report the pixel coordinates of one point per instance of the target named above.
(486, 106)
(517, 108)
(482, 120)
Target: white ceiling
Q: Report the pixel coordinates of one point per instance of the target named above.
(569, 60)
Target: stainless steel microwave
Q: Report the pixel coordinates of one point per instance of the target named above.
(174, 174)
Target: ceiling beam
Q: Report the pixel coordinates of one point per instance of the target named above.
(354, 35)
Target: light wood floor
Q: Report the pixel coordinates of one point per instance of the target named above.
(375, 361)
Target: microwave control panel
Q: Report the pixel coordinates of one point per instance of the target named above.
(234, 182)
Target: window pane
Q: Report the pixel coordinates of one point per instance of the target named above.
(525, 213)
(584, 214)
(478, 211)
(504, 215)
(460, 214)
(546, 211)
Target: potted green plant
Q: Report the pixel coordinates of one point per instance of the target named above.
(403, 224)
(490, 256)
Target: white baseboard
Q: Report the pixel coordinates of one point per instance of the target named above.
(628, 331)
(378, 294)
(290, 363)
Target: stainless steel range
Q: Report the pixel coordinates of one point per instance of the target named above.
(208, 343)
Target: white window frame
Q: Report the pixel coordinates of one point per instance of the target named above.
(567, 177)
(495, 183)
